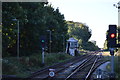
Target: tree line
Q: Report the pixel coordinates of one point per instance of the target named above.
(82, 33)
(35, 19)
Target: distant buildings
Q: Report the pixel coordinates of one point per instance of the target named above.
(93, 41)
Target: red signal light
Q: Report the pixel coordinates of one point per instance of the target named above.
(112, 35)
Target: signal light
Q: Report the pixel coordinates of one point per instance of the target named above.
(43, 41)
(112, 35)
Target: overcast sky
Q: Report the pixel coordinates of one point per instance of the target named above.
(97, 14)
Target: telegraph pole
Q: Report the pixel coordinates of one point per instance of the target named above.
(17, 37)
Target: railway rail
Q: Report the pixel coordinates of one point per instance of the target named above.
(80, 68)
(84, 71)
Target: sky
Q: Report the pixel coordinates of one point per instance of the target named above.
(97, 14)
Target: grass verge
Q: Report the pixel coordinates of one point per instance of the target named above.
(26, 65)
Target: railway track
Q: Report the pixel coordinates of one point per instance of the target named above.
(84, 71)
(58, 66)
(80, 68)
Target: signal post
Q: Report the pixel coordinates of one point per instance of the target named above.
(43, 44)
(111, 38)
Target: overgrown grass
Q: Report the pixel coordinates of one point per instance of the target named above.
(117, 67)
(26, 65)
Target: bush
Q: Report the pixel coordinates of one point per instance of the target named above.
(56, 57)
(11, 66)
(8, 68)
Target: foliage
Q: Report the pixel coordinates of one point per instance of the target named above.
(34, 20)
(105, 44)
(90, 46)
(11, 66)
(26, 65)
(82, 33)
(79, 31)
(117, 66)
(54, 58)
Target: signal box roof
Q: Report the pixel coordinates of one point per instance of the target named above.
(72, 40)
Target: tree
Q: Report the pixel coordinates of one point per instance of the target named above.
(90, 46)
(9, 30)
(35, 19)
(79, 31)
(82, 33)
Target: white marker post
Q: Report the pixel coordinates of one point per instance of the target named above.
(99, 74)
(43, 53)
